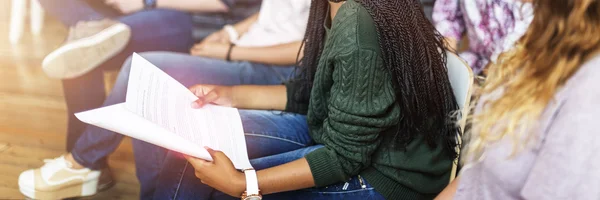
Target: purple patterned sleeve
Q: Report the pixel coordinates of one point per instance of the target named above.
(448, 18)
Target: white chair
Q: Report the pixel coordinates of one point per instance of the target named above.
(461, 79)
(17, 19)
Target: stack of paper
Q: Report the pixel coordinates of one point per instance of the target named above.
(157, 110)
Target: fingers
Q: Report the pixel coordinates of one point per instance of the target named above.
(211, 97)
(198, 50)
(211, 152)
(205, 94)
(195, 51)
(198, 47)
(199, 166)
(218, 156)
(201, 90)
(197, 162)
(212, 172)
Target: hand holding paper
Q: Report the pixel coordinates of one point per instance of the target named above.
(212, 94)
(219, 174)
(157, 110)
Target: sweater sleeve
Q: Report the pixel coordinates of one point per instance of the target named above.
(448, 18)
(361, 106)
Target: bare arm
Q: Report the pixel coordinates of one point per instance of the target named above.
(193, 6)
(221, 175)
(449, 191)
(215, 47)
(259, 97)
(243, 26)
(284, 54)
(287, 177)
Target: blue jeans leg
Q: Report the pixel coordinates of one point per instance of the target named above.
(93, 147)
(267, 133)
(152, 30)
(69, 12)
(357, 188)
(177, 181)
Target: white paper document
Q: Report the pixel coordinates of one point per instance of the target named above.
(157, 110)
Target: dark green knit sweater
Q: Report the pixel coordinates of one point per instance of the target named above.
(353, 113)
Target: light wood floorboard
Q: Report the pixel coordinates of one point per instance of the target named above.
(33, 114)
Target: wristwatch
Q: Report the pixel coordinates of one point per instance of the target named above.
(149, 4)
(252, 192)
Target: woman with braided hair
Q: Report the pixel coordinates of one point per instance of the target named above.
(368, 115)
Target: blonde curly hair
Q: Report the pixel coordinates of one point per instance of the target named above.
(562, 36)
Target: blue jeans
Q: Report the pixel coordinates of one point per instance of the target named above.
(272, 139)
(95, 144)
(152, 30)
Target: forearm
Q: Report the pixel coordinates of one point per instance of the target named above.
(449, 191)
(243, 26)
(284, 54)
(193, 6)
(260, 97)
(287, 177)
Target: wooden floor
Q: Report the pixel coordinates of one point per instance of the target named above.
(33, 115)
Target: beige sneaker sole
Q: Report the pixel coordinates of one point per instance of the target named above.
(79, 57)
(86, 189)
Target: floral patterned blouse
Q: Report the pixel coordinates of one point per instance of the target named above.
(491, 26)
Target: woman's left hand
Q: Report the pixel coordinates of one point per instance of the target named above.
(219, 174)
(210, 50)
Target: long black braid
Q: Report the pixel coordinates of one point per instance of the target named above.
(415, 54)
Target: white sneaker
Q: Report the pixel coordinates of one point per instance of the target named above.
(57, 180)
(88, 45)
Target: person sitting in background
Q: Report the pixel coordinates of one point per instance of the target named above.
(271, 39)
(491, 27)
(534, 133)
(368, 116)
(104, 33)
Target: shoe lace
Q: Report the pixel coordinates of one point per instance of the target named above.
(59, 161)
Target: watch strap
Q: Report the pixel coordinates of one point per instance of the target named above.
(251, 182)
(228, 56)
